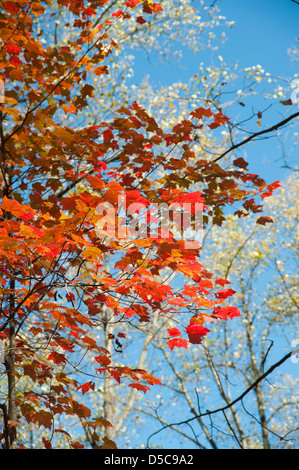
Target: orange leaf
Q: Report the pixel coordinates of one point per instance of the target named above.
(109, 444)
(200, 112)
(18, 210)
(138, 386)
(76, 445)
(81, 410)
(43, 418)
(102, 69)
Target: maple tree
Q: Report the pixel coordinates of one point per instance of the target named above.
(54, 238)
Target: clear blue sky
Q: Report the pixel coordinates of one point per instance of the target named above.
(263, 32)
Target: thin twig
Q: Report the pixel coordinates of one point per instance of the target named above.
(257, 134)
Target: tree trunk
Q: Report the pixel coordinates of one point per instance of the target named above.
(11, 381)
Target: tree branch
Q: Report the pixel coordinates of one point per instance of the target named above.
(229, 405)
(257, 134)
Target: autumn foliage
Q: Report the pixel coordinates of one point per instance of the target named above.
(54, 278)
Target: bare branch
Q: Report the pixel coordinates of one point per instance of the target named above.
(257, 134)
(236, 400)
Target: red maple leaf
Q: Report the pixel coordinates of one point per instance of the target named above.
(56, 357)
(178, 343)
(138, 386)
(200, 112)
(224, 312)
(86, 387)
(12, 48)
(174, 332)
(221, 282)
(223, 294)
(117, 14)
(196, 332)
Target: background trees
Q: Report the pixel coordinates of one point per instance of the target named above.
(262, 263)
(70, 298)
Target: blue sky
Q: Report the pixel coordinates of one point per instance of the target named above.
(263, 32)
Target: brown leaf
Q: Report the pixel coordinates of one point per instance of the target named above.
(109, 444)
(264, 220)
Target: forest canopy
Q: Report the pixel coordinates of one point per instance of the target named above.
(149, 263)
